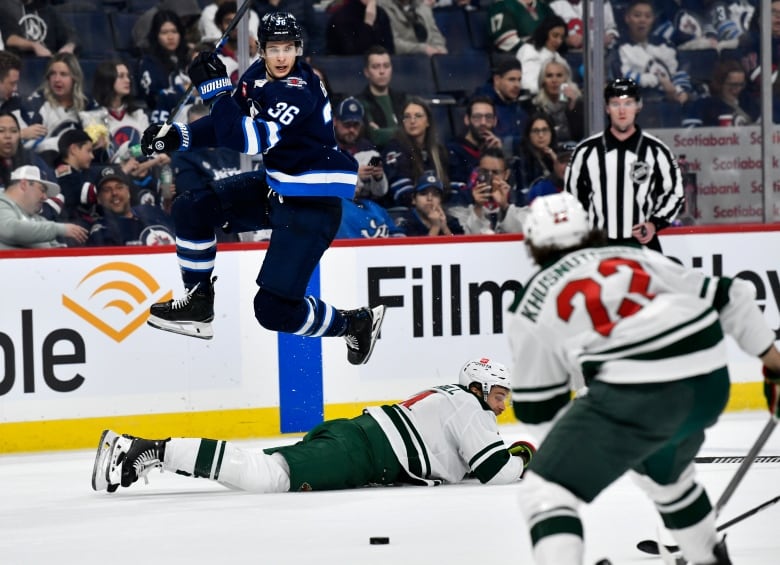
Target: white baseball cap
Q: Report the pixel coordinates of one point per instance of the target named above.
(33, 173)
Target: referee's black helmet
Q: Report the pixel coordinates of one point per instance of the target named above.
(622, 87)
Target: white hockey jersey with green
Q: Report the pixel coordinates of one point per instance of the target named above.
(623, 315)
(445, 432)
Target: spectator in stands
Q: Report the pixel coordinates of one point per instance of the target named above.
(536, 157)
(561, 99)
(364, 218)
(58, 104)
(35, 28)
(652, 65)
(427, 215)
(119, 223)
(73, 175)
(545, 43)
(118, 111)
(492, 208)
(414, 29)
(572, 14)
(334, 97)
(511, 22)
(751, 59)
(229, 53)
(209, 30)
(703, 24)
(303, 10)
(12, 153)
(198, 167)
(162, 76)
(10, 98)
(463, 152)
(355, 26)
(383, 105)
(505, 89)
(348, 127)
(414, 149)
(21, 225)
(553, 182)
(729, 105)
(10, 70)
(187, 12)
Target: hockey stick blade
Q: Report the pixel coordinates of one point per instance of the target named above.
(652, 547)
(737, 459)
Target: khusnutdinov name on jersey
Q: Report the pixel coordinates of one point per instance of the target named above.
(538, 288)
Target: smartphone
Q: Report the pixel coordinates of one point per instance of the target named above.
(375, 161)
(484, 177)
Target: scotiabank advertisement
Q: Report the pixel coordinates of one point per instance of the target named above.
(722, 169)
(76, 353)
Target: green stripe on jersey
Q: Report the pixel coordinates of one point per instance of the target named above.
(413, 456)
(704, 338)
(722, 294)
(205, 459)
(483, 451)
(490, 467)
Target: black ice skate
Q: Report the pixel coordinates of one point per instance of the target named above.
(191, 315)
(362, 331)
(121, 460)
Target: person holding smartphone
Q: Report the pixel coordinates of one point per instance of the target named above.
(349, 125)
(493, 209)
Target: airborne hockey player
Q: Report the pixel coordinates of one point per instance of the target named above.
(281, 110)
(648, 337)
(439, 435)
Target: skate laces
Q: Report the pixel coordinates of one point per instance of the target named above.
(352, 342)
(185, 300)
(144, 463)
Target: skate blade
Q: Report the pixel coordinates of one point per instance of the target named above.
(201, 330)
(378, 315)
(102, 460)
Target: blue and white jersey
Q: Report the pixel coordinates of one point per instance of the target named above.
(365, 218)
(287, 120)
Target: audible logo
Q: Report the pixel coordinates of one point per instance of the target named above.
(115, 298)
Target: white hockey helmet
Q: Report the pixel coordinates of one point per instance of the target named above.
(486, 372)
(556, 220)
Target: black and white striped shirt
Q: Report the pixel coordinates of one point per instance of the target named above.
(624, 183)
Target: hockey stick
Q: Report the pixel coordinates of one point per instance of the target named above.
(652, 547)
(738, 475)
(217, 48)
(737, 459)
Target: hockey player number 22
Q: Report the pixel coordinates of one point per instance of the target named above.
(591, 291)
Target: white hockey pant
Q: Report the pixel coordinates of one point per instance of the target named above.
(227, 464)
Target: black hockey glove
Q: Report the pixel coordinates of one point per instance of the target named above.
(177, 137)
(772, 391)
(523, 449)
(209, 75)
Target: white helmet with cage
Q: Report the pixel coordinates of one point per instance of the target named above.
(486, 372)
(556, 220)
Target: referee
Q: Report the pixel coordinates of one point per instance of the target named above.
(627, 180)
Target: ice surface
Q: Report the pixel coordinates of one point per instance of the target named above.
(49, 514)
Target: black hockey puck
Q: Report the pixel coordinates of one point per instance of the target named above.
(379, 541)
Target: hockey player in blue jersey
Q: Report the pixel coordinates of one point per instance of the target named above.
(281, 110)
